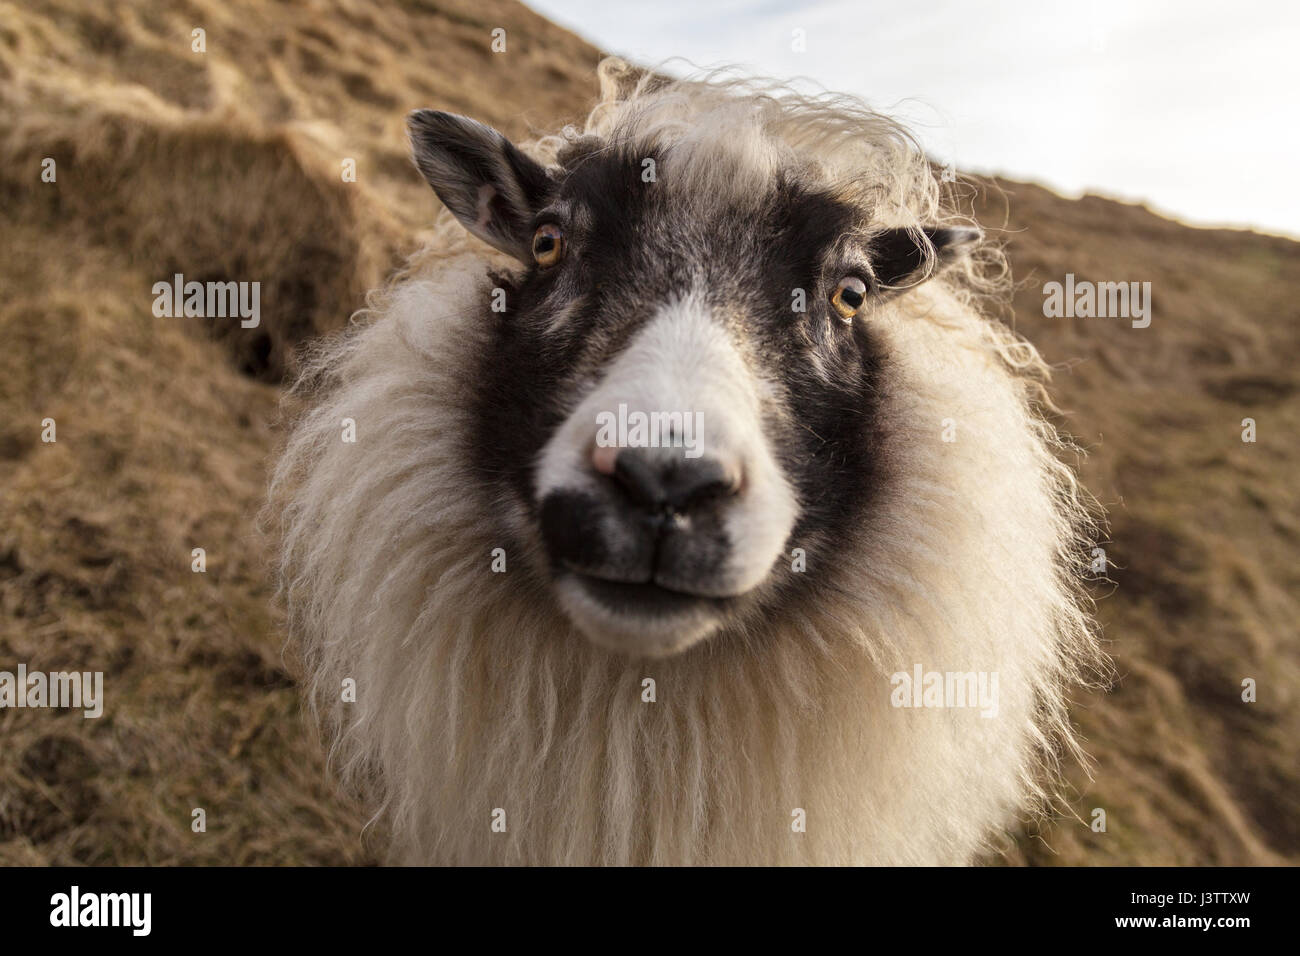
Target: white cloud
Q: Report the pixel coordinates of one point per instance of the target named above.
(1189, 106)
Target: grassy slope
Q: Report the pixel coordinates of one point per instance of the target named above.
(1204, 527)
(227, 164)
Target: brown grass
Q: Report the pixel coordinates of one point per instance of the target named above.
(226, 165)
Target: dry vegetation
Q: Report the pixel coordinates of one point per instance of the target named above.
(226, 164)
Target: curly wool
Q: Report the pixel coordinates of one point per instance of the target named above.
(476, 695)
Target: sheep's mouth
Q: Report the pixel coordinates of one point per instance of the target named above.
(641, 619)
(645, 598)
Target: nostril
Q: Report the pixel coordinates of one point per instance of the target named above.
(658, 485)
(603, 458)
(705, 491)
(640, 479)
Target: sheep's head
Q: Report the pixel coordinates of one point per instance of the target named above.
(684, 379)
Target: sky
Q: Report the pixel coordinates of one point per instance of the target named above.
(1190, 107)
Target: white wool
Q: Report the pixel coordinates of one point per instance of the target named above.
(475, 693)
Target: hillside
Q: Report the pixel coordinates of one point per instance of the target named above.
(227, 164)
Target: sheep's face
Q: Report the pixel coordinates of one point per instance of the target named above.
(681, 390)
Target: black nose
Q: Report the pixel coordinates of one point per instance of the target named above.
(659, 483)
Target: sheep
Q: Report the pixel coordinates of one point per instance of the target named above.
(528, 646)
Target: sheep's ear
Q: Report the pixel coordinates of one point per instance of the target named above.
(898, 257)
(483, 178)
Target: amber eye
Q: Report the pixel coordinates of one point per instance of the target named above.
(548, 245)
(848, 297)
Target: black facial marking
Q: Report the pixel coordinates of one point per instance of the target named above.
(631, 248)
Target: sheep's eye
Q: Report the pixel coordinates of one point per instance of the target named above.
(848, 297)
(548, 245)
